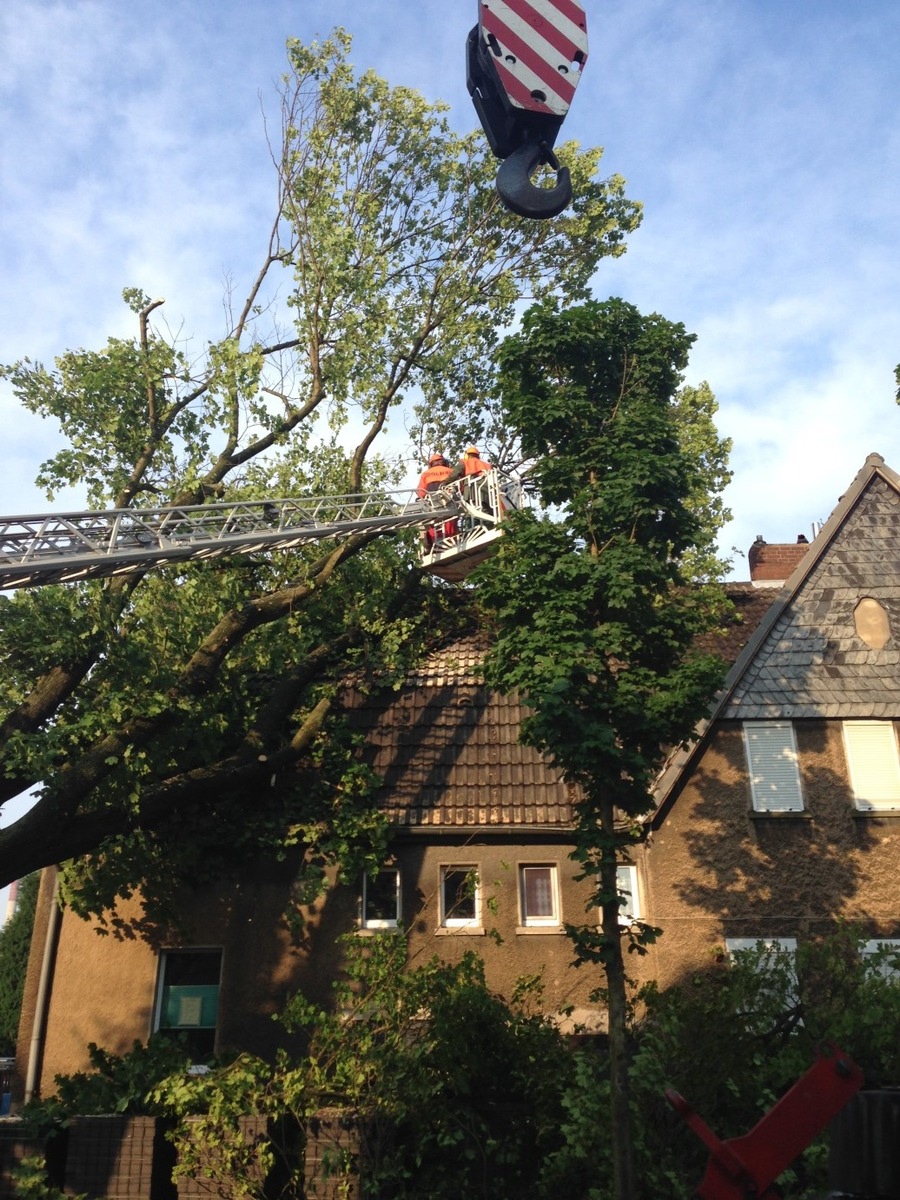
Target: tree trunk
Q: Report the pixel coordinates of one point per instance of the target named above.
(620, 1092)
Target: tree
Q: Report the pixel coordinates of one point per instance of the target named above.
(594, 619)
(171, 719)
(15, 942)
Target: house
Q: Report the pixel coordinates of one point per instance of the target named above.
(779, 818)
(784, 815)
(468, 804)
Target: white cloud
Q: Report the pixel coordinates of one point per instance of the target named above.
(762, 138)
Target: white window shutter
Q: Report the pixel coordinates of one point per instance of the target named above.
(626, 880)
(774, 769)
(874, 767)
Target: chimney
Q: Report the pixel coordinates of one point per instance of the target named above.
(771, 565)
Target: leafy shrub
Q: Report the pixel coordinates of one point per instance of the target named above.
(31, 1180)
(15, 943)
(457, 1092)
(734, 1037)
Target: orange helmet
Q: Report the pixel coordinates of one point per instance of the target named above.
(473, 450)
(435, 459)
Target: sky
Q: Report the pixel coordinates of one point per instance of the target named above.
(762, 137)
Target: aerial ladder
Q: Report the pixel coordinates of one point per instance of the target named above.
(460, 524)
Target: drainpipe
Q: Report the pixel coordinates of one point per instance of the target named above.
(43, 992)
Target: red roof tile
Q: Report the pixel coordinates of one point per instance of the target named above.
(448, 749)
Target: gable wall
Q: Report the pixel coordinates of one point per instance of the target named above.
(715, 869)
(813, 662)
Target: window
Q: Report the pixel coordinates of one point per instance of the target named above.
(626, 882)
(538, 895)
(773, 945)
(766, 953)
(381, 899)
(774, 961)
(772, 763)
(886, 952)
(188, 1000)
(460, 901)
(871, 748)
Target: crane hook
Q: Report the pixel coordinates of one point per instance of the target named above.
(517, 191)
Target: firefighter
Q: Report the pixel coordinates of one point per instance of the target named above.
(472, 464)
(434, 476)
(433, 479)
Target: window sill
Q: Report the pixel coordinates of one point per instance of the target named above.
(801, 814)
(866, 813)
(375, 930)
(555, 930)
(464, 930)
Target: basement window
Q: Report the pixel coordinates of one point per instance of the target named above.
(187, 1004)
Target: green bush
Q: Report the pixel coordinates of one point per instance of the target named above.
(15, 943)
(733, 1038)
(456, 1091)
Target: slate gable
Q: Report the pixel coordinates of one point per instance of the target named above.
(812, 663)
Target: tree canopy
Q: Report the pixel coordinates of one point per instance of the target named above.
(595, 618)
(170, 720)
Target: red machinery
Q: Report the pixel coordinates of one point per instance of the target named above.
(745, 1168)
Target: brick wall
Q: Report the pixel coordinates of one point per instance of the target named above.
(332, 1156)
(775, 562)
(119, 1158)
(14, 1147)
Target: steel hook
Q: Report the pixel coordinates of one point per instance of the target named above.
(520, 195)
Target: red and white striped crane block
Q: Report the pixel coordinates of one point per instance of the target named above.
(538, 47)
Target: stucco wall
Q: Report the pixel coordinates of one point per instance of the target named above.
(104, 988)
(714, 869)
(509, 949)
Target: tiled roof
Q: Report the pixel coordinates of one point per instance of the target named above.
(448, 750)
(749, 606)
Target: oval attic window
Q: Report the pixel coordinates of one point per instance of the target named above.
(872, 622)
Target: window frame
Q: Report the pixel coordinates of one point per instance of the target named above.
(872, 946)
(766, 774)
(735, 945)
(629, 913)
(526, 919)
(860, 774)
(163, 989)
(778, 945)
(378, 923)
(446, 920)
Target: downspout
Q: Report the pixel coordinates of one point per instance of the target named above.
(43, 992)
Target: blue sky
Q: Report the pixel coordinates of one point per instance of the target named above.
(761, 135)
